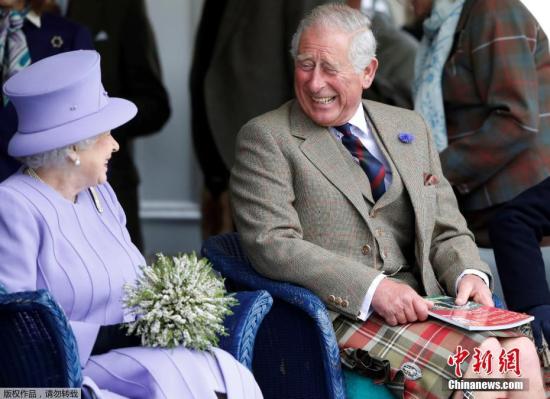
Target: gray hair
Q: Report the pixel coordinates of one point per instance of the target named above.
(346, 19)
(56, 157)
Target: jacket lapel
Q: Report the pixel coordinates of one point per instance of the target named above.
(404, 157)
(322, 149)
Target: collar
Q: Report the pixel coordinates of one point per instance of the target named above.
(358, 119)
(34, 18)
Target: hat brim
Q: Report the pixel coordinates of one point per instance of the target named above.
(117, 112)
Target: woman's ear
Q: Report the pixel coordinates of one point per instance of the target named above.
(73, 155)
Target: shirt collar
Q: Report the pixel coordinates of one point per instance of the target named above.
(34, 18)
(358, 119)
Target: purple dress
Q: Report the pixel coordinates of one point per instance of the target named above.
(83, 257)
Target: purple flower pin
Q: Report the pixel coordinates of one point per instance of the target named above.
(406, 138)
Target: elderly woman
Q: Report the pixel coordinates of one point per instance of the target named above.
(63, 229)
(28, 33)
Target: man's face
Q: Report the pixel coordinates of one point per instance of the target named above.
(327, 86)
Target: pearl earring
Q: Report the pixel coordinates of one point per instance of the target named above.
(77, 161)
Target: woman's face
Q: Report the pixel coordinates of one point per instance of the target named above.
(94, 160)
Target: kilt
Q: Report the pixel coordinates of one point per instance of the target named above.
(427, 345)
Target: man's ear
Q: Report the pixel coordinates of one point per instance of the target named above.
(369, 72)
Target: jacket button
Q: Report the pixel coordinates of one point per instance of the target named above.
(338, 300)
(366, 249)
(345, 303)
(331, 298)
(372, 214)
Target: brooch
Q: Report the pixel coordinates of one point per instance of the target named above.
(57, 41)
(411, 371)
(406, 138)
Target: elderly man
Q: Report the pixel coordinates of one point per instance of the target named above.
(347, 198)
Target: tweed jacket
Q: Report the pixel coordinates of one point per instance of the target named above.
(302, 205)
(496, 89)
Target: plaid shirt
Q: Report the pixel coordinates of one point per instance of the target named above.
(496, 89)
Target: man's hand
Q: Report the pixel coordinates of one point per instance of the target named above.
(398, 303)
(472, 286)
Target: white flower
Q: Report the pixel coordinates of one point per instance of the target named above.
(178, 301)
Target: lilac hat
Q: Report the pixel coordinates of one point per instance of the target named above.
(60, 101)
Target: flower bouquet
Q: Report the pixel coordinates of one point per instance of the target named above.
(178, 301)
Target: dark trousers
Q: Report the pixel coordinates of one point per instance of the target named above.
(516, 231)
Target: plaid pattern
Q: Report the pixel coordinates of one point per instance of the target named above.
(427, 344)
(496, 91)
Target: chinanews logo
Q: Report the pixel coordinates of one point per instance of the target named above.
(485, 362)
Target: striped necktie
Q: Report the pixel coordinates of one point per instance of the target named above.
(371, 166)
(16, 52)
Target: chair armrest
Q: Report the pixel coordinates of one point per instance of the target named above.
(227, 257)
(42, 350)
(242, 326)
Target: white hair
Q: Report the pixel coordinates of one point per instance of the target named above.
(346, 19)
(57, 156)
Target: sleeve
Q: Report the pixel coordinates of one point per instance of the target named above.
(141, 80)
(262, 197)
(502, 52)
(86, 335)
(19, 242)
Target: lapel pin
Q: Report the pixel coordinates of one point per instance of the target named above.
(405, 137)
(57, 41)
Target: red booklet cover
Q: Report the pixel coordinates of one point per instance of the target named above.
(475, 317)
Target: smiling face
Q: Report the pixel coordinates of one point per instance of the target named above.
(94, 160)
(327, 86)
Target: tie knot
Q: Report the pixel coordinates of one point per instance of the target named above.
(345, 129)
(16, 20)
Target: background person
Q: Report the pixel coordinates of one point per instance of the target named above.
(490, 116)
(240, 47)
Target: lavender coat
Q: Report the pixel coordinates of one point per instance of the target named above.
(83, 258)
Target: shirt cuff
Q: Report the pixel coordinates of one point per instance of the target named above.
(478, 273)
(366, 310)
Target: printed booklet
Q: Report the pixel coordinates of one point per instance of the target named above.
(475, 317)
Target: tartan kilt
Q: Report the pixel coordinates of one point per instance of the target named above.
(427, 344)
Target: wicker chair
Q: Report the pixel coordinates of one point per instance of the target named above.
(296, 354)
(39, 348)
